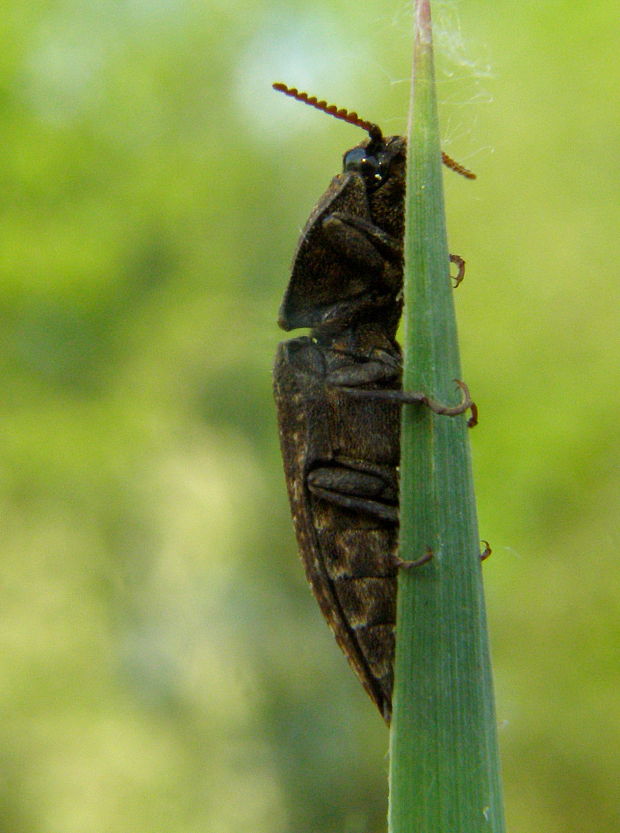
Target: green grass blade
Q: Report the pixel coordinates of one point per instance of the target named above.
(444, 768)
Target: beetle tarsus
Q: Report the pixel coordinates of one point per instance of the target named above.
(408, 565)
(486, 552)
(460, 264)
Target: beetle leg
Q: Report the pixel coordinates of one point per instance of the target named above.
(355, 237)
(486, 552)
(414, 397)
(407, 565)
(460, 263)
(356, 490)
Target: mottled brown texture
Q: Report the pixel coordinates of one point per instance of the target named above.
(340, 453)
(347, 539)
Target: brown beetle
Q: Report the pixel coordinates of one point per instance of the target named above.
(338, 395)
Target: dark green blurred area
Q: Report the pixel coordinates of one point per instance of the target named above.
(164, 667)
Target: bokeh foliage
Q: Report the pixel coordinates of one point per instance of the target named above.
(164, 667)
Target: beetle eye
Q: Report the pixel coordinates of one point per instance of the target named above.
(369, 166)
(356, 160)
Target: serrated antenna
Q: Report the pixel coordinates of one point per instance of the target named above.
(449, 162)
(373, 130)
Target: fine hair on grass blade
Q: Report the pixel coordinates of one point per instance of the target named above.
(444, 763)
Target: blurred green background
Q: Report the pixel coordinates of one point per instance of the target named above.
(164, 667)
